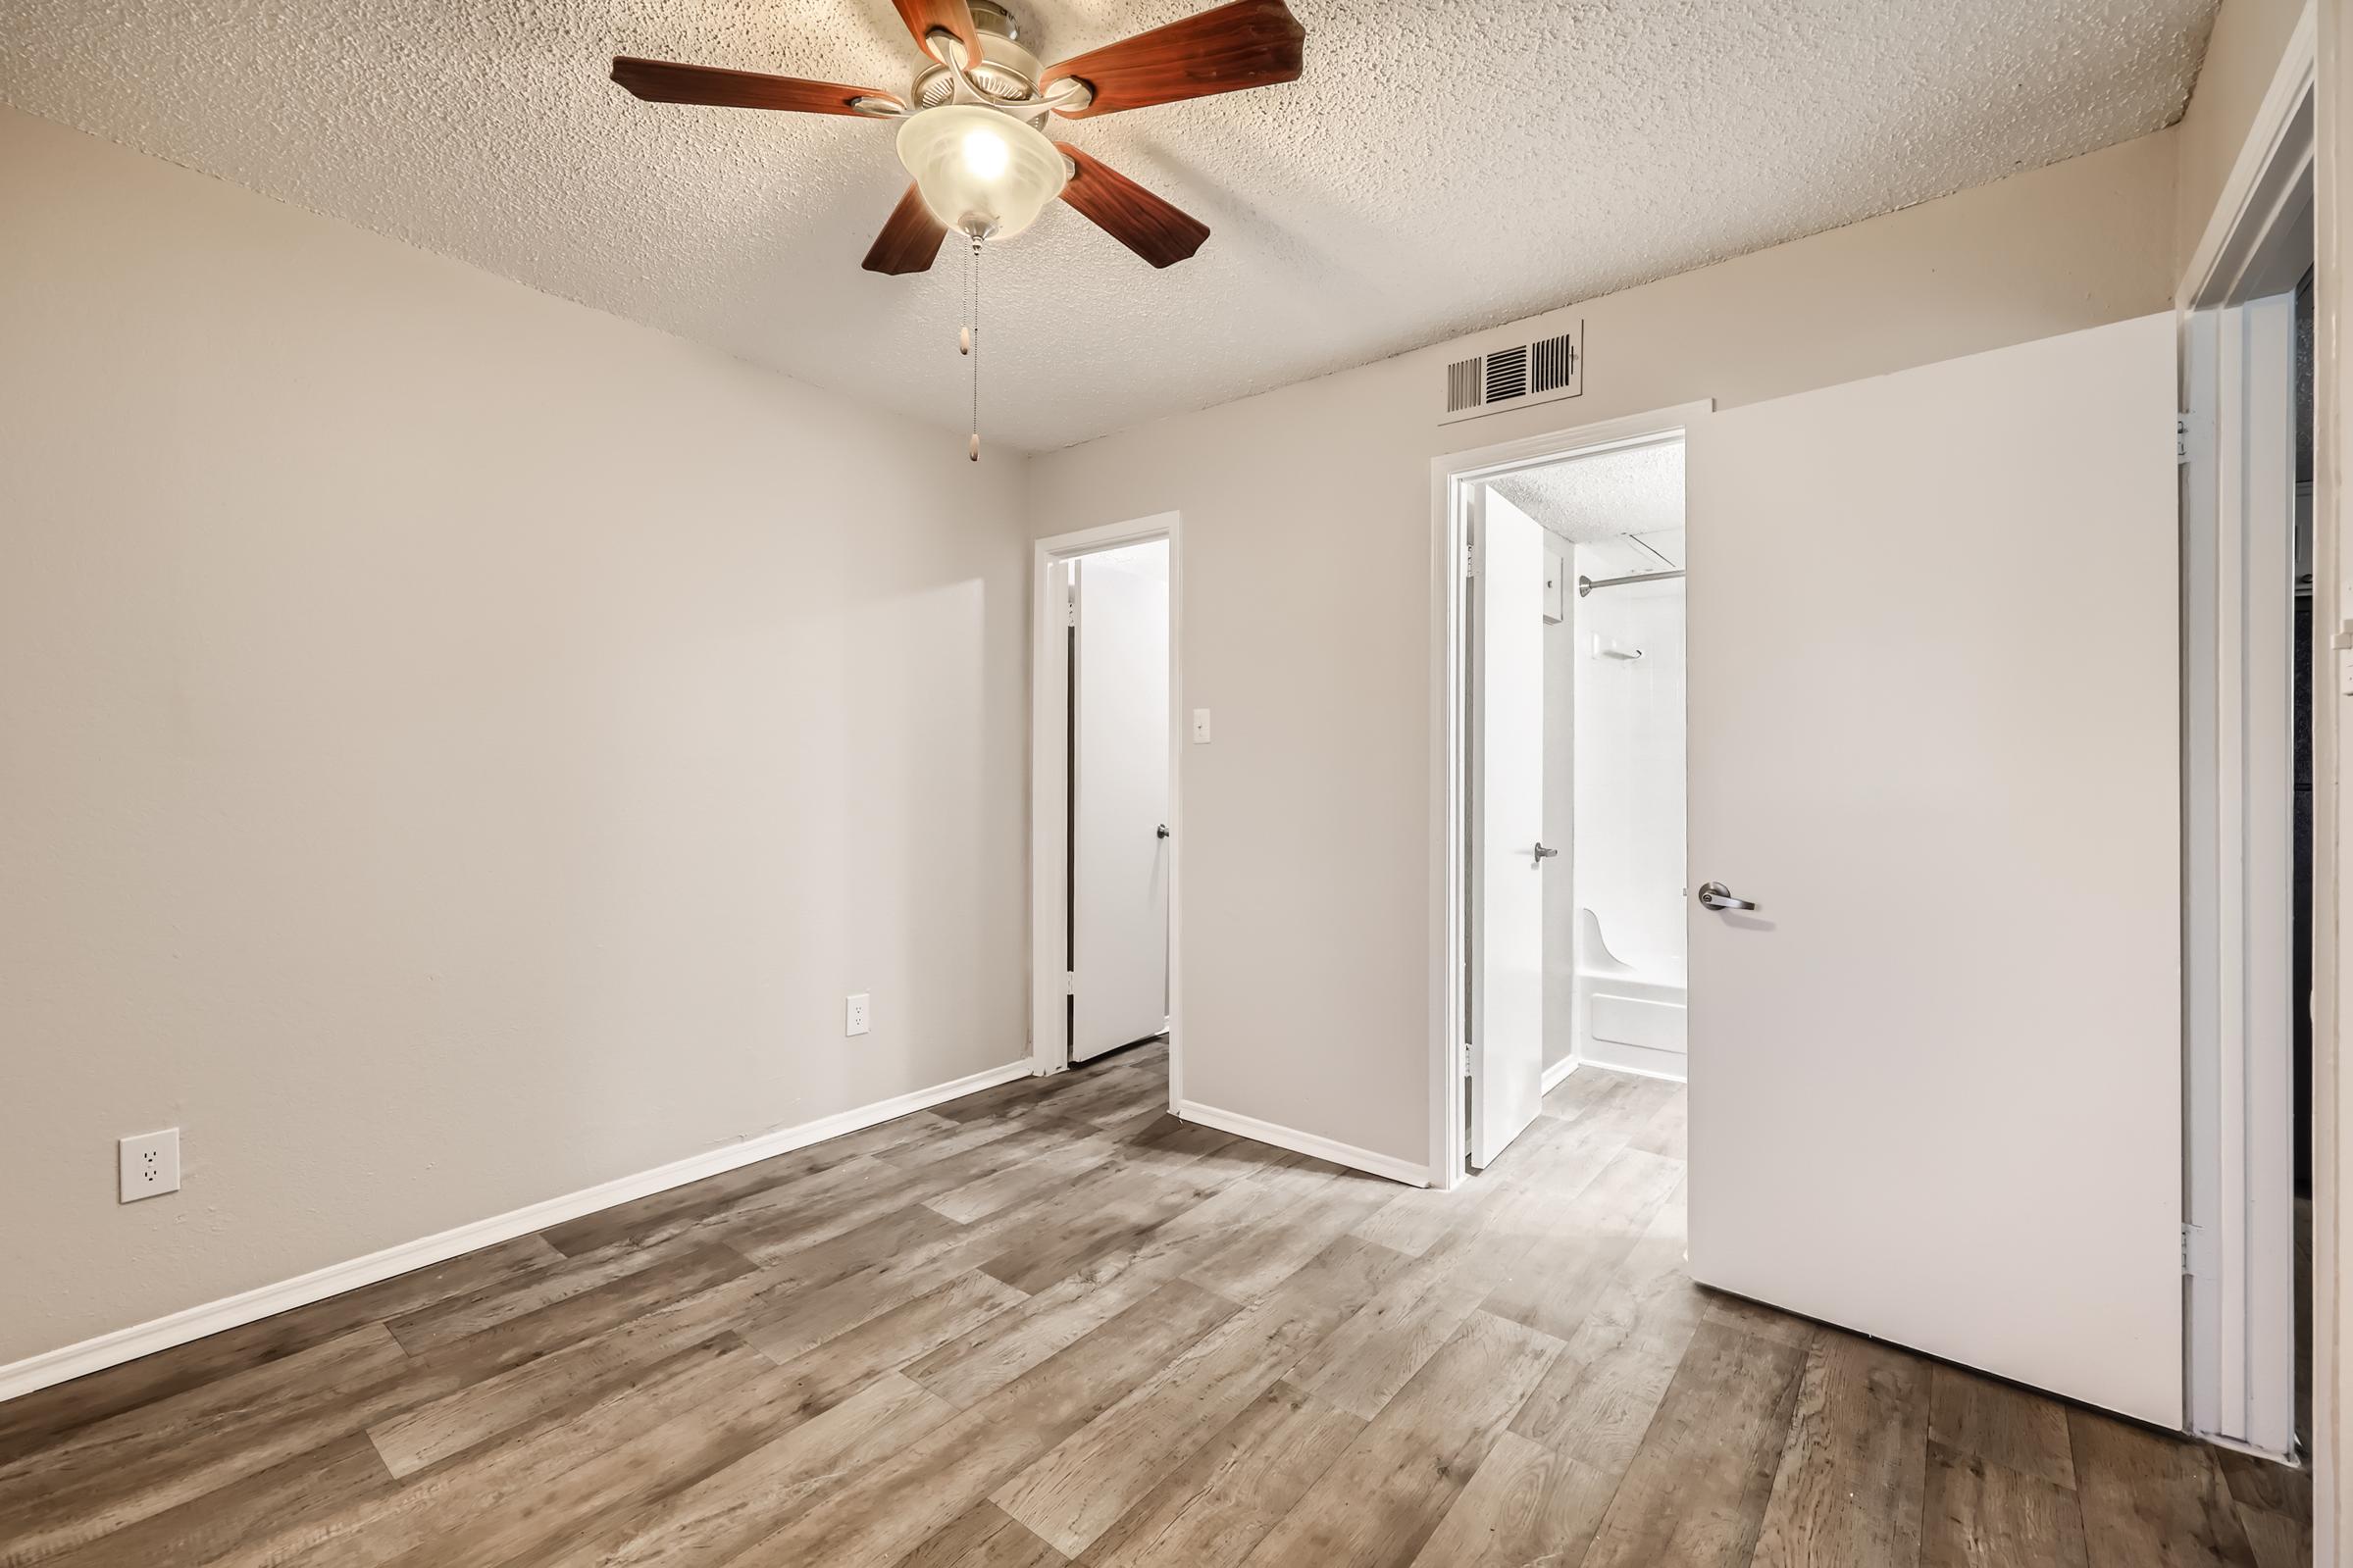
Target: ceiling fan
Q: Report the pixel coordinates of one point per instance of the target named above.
(969, 131)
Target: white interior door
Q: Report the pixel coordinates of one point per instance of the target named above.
(1507, 982)
(1120, 801)
(1935, 1075)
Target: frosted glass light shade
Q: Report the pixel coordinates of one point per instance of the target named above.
(981, 173)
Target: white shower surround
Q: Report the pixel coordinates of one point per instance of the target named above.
(1614, 916)
(1631, 948)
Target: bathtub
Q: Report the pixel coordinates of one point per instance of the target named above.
(1630, 1015)
(1631, 1024)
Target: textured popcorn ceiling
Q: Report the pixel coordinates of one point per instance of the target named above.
(1439, 168)
(1635, 489)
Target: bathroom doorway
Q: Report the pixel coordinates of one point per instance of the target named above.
(1575, 899)
(1615, 950)
(1926, 865)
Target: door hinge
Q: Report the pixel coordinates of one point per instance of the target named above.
(1070, 982)
(1070, 612)
(1470, 559)
(2196, 1259)
(2181, 438)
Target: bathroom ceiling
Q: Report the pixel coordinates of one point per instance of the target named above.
(1440, 168)
(1633, 490)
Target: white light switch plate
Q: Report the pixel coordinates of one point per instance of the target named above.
(854, 1015)
(150, 1164)
(1201, 727)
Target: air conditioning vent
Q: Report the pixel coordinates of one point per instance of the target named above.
(1516, 375)
(1552, 362)
(1507, 374)
(1462, 383)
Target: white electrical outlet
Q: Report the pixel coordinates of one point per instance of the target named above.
(150, 1164)
(854, 1015)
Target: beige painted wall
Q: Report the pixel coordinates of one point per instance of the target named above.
(455, 747)
(2249, 37)
(1306, 602)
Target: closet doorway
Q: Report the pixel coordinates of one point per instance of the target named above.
(1103, 794)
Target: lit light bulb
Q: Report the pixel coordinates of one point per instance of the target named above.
(983, 173)
(985, 154)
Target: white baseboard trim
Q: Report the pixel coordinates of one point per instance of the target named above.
(1631, 1069)
(1298, 1142)
(195, 1323)
(1558, 1070)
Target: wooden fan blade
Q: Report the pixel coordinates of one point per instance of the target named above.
(1124, 210)
(663, 81)
(1250, 43)
(955, 16)
(910, 240)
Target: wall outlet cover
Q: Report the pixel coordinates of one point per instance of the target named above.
(854, 1015)
(149, 1164)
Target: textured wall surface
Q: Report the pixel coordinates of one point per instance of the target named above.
(459, 748)
(1440, 168)
(1306, 622)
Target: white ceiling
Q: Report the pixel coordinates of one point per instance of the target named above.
(1622, 509)
(1634, 490)
(1439, 170)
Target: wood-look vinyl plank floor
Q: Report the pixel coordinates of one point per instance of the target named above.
(1049, 1323)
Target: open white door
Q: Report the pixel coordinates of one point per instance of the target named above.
(1119, 803)
(1507, 981)
(1936, 1074)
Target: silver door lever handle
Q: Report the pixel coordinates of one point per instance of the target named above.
(1715, 895)
(1543, 854)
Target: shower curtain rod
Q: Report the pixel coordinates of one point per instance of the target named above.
(1586, 585)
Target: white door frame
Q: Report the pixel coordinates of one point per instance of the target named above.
(2237, 358)
(1451, 476)
(1049, 846)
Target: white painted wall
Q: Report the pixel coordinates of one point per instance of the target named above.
(1629, 769)
(456, 747)
(1307, 596)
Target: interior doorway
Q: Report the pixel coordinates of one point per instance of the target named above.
(1934, 869)
(1116, 611)
(1559, 774)
(1105, 835)
(2250, 666)
(1574, 775)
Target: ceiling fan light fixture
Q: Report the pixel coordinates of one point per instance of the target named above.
(981, 172)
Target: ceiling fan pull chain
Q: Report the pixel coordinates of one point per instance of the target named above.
(972, 344)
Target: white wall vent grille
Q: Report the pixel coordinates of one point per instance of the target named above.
(1507, 374)
(1516, 375)
(1552, 362)
(1464, 383)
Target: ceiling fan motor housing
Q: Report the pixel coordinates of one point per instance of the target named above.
(1006, 68)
